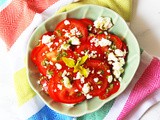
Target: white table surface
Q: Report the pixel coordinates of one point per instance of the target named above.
(145, 24)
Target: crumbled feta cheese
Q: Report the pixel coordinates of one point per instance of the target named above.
(108, 71)
(117, 65)
(74, 40)
(56, 43)
(64, 73)
(104, 42)
(59, 86)
(93, 54)
(50, 62)
(75, 31)
(122, 61)
(119, 52)
(95, 79)
(82, 80)
(110, 78)
(76, 90)
(49, 76)
(66, 22)
(50, 49)
(67, 35)
(111, 57)
(103, 23)
(67, 82)
(78, 75)
(49, 44)
(58, 66)
(46, 39)
(45, 84)
(86, 88)
(88, 96)
(120, 79)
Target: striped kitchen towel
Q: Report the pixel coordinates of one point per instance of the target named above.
(19, 18)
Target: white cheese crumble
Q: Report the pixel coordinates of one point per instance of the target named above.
(110, 78)
(74, 40)
(67, 82)
(104, 42)
(66, 22)
(119, 52)
(95, 79)
(88, 96)
(112, 57)
(78, 76)
(103, 23)
(59, 86)
(64, 73)
(46, 39)
(58, 66)
(86, 88)
(75, 31)
(117, 61)
(82, 80)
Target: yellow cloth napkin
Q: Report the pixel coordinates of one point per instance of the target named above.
(123, 7)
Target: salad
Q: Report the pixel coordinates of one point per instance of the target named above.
(80, 60)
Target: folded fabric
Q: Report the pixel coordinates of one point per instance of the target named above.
(138, 97)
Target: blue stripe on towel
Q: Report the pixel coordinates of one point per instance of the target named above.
(47, 114)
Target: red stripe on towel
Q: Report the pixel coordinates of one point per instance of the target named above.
(15, 18)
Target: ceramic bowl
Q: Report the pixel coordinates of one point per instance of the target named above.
(120, 28)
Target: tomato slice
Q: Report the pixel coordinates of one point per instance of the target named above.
(62, 28)
(94, 52)
(63, 94)
(34, 53)
(116, 40)
(113, 88)
(43, 61)
(100, 73)
(88, 23)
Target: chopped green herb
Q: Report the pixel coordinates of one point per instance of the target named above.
(59, 33)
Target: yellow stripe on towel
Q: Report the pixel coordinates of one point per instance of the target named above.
(23, 89)
(123, 7)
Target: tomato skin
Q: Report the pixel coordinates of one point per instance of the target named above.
(114, 89)
(65, 95)
(72, 24)
(34, 53)
(116, 40)
(98, 66)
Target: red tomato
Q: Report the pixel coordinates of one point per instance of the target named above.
(88, 23)
(43, 61)
(34, 53)
(73, 23)
(89, 48)
(113, 88)
(100, 72)
(116, 40)
(63, 94)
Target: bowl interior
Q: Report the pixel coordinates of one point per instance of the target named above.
(120, 28)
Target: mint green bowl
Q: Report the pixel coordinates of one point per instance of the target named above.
(120, 28)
